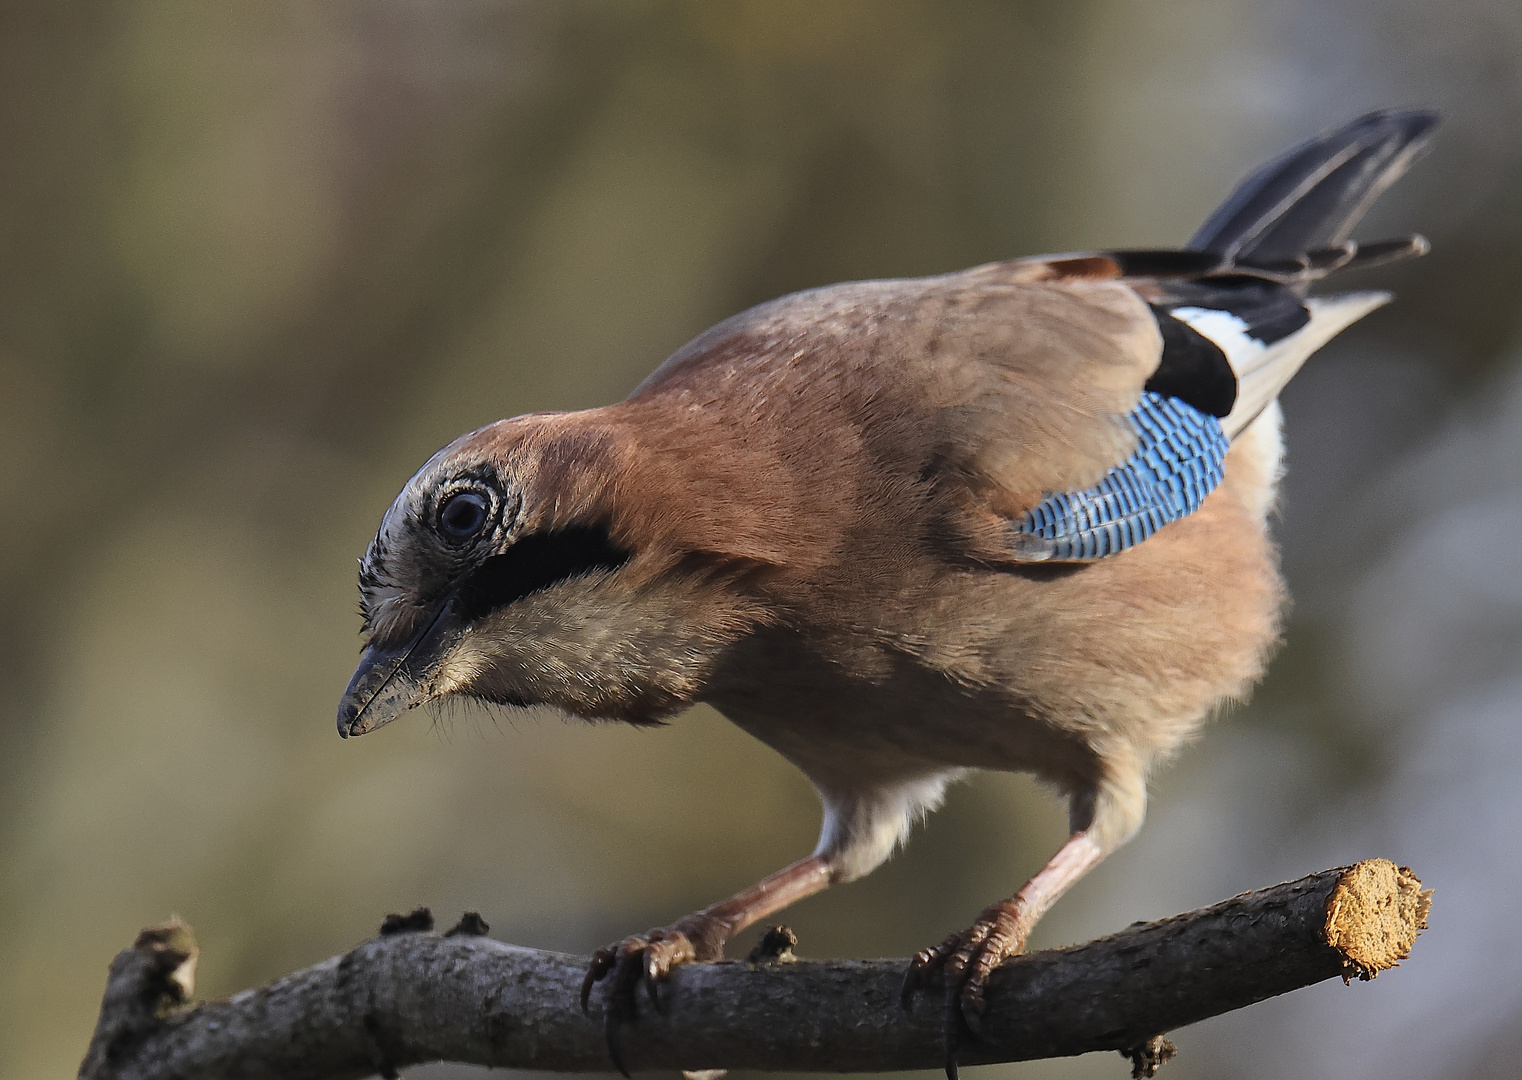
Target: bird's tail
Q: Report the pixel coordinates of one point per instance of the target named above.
(1232, 305)
(1291, 218)
(1308, 199)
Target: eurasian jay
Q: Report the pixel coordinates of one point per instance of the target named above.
(1009, 518)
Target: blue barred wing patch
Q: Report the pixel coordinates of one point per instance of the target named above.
(1180, 454)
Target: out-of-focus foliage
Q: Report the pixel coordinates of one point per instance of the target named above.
(258, 259)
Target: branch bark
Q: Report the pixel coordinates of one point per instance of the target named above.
(411, 996)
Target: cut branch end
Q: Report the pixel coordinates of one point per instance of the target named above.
(1374, 915)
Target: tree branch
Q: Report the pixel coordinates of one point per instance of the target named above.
(413, 996)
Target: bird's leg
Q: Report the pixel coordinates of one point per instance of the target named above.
(964, 960)
(860, 829)
(701, 935)
(649, 957)
(1103, 815)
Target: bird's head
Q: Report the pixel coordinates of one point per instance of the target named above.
(511, 569)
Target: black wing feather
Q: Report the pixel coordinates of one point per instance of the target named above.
(1312, 196)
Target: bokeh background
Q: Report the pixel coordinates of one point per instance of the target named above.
(259, 258)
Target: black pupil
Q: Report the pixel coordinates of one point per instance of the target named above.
(463, 514)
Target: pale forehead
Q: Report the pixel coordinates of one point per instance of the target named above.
(466, 454)
(463, 455)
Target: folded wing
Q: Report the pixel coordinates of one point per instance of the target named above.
(1235, 328)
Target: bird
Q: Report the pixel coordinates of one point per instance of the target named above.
(1010, 518)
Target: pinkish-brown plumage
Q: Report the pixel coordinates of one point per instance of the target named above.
(809, 517)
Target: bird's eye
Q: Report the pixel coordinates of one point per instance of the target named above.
(462, 515)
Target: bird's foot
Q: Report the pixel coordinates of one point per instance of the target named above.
(646, 958)
(962, 964)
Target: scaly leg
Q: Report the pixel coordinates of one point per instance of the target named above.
(1103, 819)
(697, 937)
(964, 960)
(860, 831)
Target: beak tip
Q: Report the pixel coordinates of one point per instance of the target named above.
(350, 720)
(390, 680)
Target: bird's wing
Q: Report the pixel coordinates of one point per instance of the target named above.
(1090, 398)
(1230, 341)
(1235, 326)
(992, 378)
(1207, 345)
(1085, 400)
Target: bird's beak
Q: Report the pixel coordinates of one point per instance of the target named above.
(389, 681)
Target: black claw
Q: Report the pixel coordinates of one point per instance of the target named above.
(911, 984)
(952, 1026)
(611, 1022)
(602, 961)
(628, 969)
(626, 978)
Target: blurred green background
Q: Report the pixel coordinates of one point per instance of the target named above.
(258, 259)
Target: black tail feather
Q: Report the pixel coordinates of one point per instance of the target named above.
(1311, 197)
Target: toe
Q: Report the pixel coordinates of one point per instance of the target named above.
(640, 958)
(628, 969)
(626, 976)
(665, 952)
(962, 964)
(924, 968)
(970, 1004)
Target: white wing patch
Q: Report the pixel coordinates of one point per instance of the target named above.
(1229, 333)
